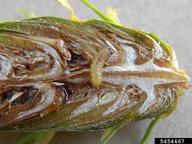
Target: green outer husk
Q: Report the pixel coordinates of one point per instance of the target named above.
(132, 34)
(37, 138)
(163, 44)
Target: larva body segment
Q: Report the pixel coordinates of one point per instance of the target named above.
(60, 74)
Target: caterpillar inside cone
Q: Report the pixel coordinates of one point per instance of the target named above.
(57, 73)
